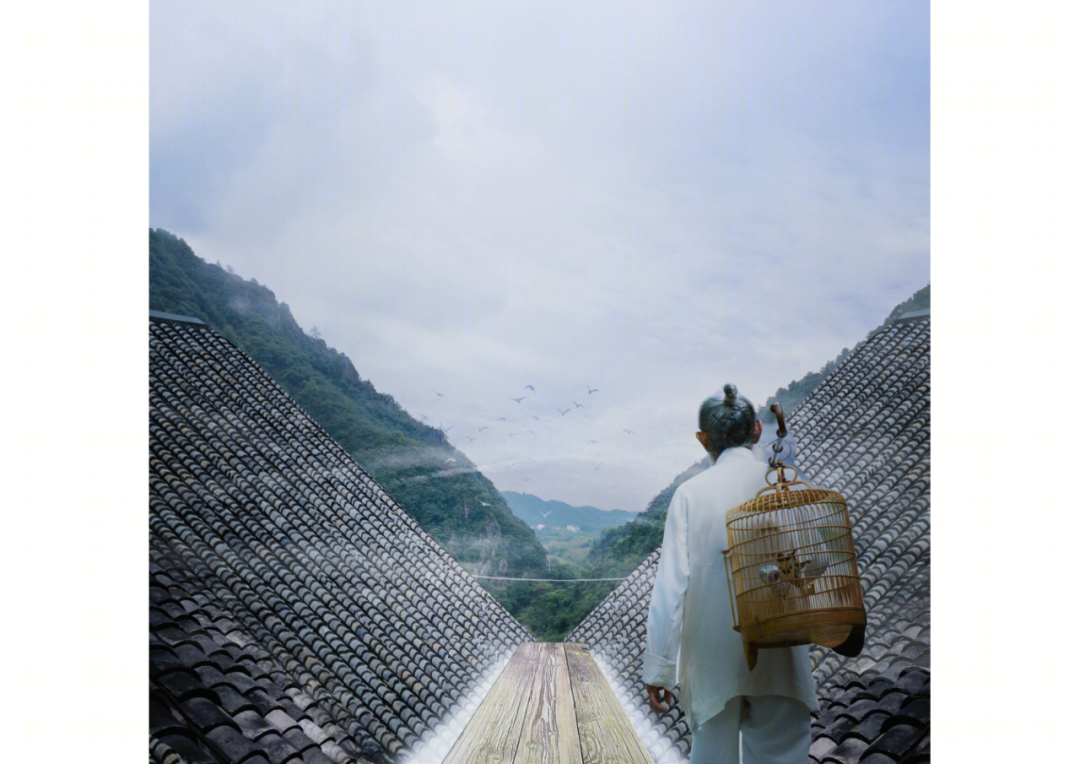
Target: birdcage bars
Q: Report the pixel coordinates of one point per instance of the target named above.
(792, 563)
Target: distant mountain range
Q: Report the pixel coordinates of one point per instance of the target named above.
(536, 511)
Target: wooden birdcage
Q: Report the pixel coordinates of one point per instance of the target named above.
(792, 569)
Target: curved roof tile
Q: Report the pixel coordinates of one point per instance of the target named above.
(285, 585)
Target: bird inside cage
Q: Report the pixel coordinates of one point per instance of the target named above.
(791, 567)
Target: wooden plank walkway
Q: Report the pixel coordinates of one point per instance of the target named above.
(550, 705)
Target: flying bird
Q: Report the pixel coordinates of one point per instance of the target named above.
(564, 413)
(502, 419)
(519, 400)
(591, 442)
(628, 432)
(593, 389)
(534, 416)
(578, 405)
(530, 387)
(438, 393)
(450, 460)
(545, 514)
(485, 503)
(483, 428)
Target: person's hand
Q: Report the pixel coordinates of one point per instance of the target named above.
(658, 696)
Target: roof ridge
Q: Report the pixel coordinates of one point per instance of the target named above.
(911, 315)
(174, 318)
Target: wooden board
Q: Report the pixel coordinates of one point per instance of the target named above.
(492, 735)
(604, 730)
(550, 705)
(550, 735)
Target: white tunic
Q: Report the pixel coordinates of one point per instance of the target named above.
(691, 639)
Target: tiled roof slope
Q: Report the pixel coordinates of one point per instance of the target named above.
(297, 614)
(865, 432)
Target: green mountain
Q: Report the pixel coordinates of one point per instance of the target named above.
(451, 500)
(536, 511)
(568, 533)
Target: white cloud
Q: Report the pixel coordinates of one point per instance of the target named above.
(468, 130)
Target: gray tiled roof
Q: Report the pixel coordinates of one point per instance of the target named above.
(296, 612)
(865, 432)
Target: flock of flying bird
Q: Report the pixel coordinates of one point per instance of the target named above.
(519, 400)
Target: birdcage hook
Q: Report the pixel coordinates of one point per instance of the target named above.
(782, 452)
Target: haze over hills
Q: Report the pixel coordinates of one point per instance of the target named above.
(413, 462)
(536, 511)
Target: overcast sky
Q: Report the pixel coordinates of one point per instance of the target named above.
(644, 199)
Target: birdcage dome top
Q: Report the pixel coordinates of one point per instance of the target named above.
(784, 491)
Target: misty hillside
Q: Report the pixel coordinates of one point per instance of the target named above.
(414, 463)
(536, 511)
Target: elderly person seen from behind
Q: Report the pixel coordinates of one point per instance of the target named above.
(690, 639)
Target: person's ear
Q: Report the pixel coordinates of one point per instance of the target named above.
(703, 439)
(757, 430)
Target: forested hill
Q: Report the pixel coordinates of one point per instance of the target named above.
(452, 500)
(537, 511)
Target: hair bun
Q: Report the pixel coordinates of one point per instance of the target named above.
(730, 393)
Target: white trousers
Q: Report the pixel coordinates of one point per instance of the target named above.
(775, 730)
